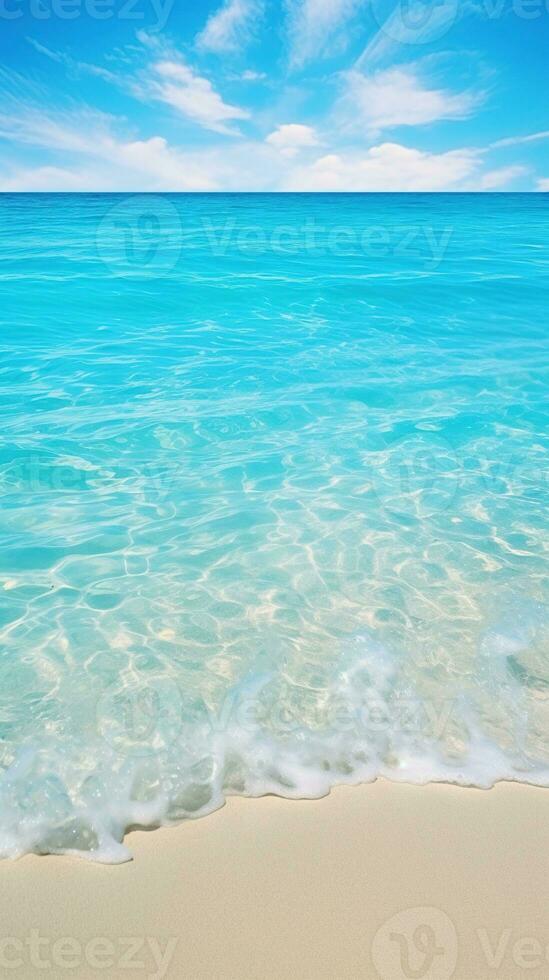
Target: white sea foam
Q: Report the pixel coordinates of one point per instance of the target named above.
(269, 523)
(157, 760)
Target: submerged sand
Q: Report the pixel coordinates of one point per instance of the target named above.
(384, 880)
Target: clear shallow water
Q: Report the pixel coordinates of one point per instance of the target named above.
(274, 492)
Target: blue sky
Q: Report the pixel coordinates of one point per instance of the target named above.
(161, 95)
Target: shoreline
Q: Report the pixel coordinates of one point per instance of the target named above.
(381, 880)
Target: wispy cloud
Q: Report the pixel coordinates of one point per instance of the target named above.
(318, 28)
(62, 58)
(518, 140)
(178, 85)
(77, 131)
(231, 27)
(102, 160)
(398, 97)
(164, 77)
(249, 75)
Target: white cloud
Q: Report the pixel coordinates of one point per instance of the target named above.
(167, 79)
(318, 28)
(292, 137)
(53, 179)
(230, 27)
(387, 167)
(194, 96)
(499, 179)
(397, 97)
(103, 161)
(543, 184)
(83, 149)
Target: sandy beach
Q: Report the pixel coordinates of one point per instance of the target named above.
(381, 880)
(274, 490)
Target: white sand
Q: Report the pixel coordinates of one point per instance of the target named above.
(276, 889)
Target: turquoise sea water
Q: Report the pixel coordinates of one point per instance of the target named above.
(274, 500)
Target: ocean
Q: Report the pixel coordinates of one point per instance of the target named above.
(274, 502)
